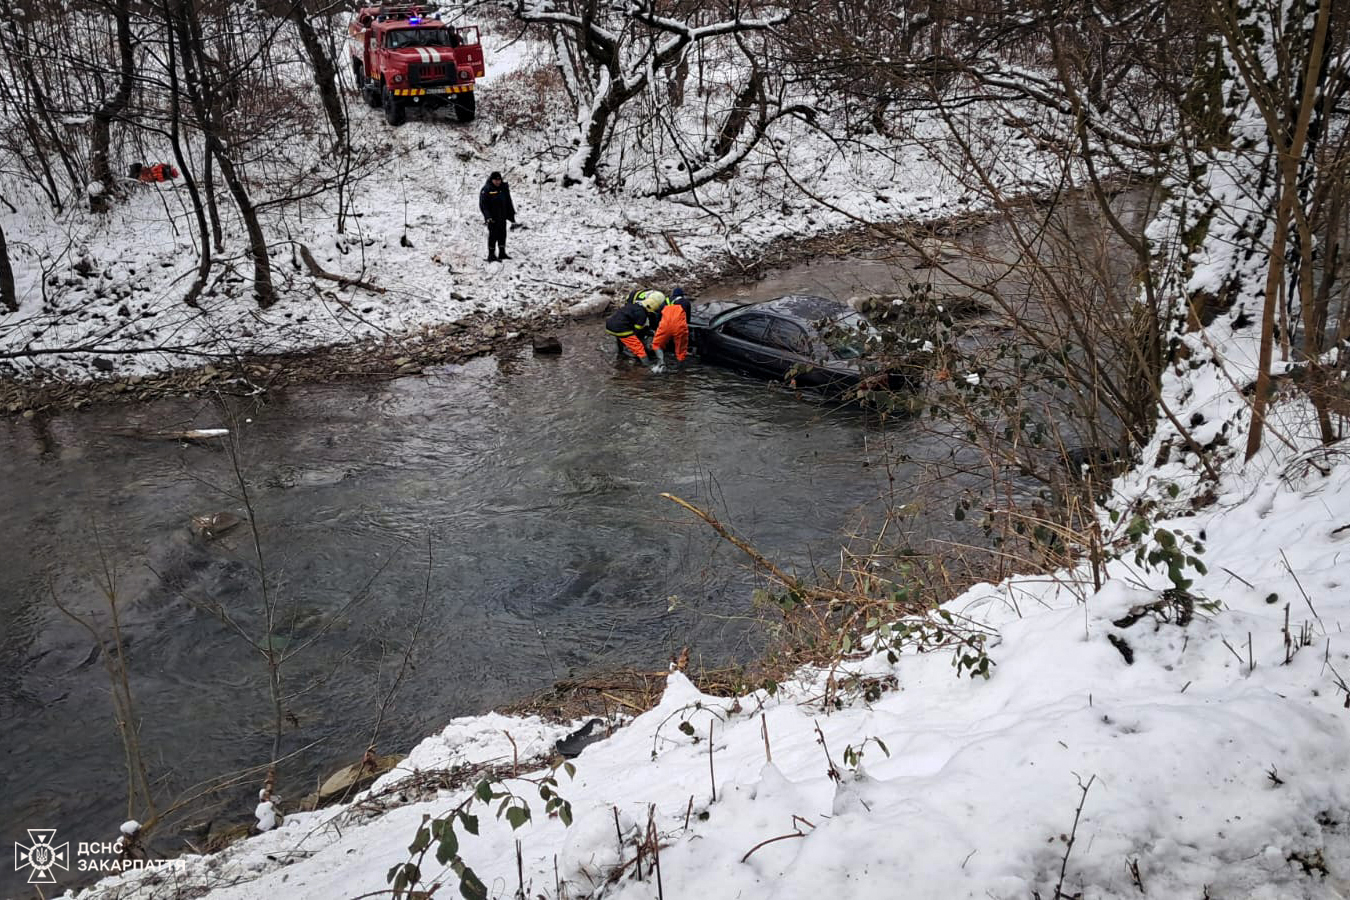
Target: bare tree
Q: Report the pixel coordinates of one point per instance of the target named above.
(100, 169)
(1291, 64)
(609, 56)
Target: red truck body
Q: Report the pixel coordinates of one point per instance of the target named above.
(402, 57)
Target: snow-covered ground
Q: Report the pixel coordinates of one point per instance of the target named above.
(112, 285)
(1122, 746)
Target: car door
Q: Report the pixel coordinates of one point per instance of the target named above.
(740, 342)
(792, 349)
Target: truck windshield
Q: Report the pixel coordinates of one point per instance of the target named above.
(421, 37)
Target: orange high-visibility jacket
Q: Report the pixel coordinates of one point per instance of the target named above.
(674, 327)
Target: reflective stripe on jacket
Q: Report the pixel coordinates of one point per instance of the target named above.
(629, 319)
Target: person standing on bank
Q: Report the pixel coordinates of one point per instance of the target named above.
(494, 202)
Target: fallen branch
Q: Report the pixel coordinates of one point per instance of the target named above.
(316, 271)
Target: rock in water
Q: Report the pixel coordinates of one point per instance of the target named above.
(547, 346)
(214, 525)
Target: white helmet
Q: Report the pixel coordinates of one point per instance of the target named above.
(652, 301)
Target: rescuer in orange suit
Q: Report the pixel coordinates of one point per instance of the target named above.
(632, 321)
(674, 328)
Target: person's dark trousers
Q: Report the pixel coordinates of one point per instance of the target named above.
(496, 240)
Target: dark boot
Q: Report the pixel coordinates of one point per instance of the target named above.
(504, 256)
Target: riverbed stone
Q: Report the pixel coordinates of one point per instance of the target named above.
(548, 345)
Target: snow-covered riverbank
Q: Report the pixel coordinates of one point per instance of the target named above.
(1142, 738)
(1210, 764)
(100, 295)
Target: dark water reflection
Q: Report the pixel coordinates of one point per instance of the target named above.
(519, 495)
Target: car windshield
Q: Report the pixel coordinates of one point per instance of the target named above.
(419, 37)
(843, 336)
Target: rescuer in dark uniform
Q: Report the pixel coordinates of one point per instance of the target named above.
(631, 321)
(494, 201)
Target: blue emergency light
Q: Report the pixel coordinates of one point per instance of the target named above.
(414, 20)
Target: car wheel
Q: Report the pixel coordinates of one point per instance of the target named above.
(465, 107)
(395, 113)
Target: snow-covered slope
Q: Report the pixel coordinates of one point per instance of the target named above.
(112, 285)
(1204, 776)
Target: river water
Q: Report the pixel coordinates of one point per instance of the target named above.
(514, 499)
(520, 495)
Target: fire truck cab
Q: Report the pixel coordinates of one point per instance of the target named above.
(406, 56)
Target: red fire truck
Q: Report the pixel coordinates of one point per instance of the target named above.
(406, 56)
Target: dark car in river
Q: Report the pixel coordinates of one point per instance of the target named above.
(805, 340)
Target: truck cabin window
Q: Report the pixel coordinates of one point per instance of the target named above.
(421, 37)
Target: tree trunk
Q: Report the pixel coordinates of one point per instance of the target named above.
(101, 138)
(202, 94)
(748, 99)
(263, 289)
(1289, 141)
(8, 300)
(204, 250)
(321, 65)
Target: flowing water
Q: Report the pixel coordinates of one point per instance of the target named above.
(510, 506)
(518, 495)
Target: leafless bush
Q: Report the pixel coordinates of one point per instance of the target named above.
(531, 99)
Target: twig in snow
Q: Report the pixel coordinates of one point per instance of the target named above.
(1132, 866)
(1299, 585)
(1340, 682)
(316, 271)
(656, 842)
(1073, 836)
(833, 771)
(712, 776)
(781, 837)
(1236, 655)
(764, 730)
(520, 873)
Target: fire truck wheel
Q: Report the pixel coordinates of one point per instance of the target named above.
(464, 107)
(358, 72)
(371, 91)
(394, 111)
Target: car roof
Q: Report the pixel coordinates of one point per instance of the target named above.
(806, 307)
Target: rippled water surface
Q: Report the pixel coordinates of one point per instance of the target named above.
(511, 505)
(518, 495)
